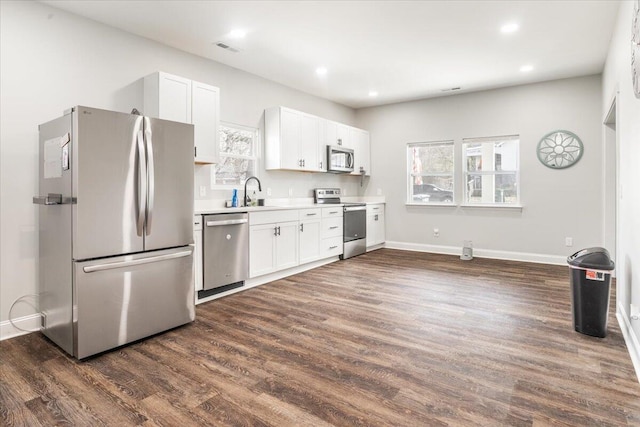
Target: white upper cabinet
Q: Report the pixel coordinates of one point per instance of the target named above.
(359, 140)
(179, 99)
(309, 142)
(298, 141)
(205, 116)
(336, 134)
(292, 139)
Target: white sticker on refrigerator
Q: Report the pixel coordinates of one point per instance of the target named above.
(52, 158)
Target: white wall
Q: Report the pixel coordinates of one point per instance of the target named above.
(51, 60)
(557, 203)
(617, 83)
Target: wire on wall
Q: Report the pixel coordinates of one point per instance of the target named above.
(32, 304)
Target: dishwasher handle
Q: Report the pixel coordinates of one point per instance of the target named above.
(354, 208)
(226, 222)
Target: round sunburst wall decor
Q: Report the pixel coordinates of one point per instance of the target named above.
(560, 149)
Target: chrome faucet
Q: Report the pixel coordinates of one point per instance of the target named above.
(246, 197)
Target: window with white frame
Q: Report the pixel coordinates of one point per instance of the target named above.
(238, 156)
(430, 168)
(491, 170)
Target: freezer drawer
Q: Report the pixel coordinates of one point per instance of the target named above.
(122, 299)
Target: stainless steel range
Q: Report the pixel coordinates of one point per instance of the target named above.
(354, 221)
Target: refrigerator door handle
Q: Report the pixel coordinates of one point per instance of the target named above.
(142, 183)
(123, 264)
(150, 174)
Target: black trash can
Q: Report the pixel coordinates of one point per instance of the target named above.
(590, 286)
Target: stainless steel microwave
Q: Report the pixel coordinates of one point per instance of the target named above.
(339, 159)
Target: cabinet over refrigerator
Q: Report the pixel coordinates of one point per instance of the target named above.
(115, 228)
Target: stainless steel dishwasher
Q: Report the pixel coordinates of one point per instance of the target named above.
(225, 250)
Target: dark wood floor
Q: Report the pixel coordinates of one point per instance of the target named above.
(388, 338)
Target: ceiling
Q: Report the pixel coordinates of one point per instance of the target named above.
(403, 50)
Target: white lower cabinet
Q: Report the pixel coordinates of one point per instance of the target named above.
(273, 241)
(286, 238)
(309, 235)
(375, 225)
(273, 247)
(286, 245)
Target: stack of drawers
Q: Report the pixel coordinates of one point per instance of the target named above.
(331, 234)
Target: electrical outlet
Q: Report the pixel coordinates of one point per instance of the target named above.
(379, 192)
(203, 191)
(568, 241)
(268, 191)
(436, 232)
(291, 192)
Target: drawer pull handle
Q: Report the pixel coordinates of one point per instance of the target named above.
(333, 247)
(333, 228)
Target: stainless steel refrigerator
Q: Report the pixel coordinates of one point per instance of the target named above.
(115, 228)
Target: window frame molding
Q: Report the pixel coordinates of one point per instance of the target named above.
(409, 176)
(257, 157)
(465, 173)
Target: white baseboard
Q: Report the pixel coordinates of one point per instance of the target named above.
(630, 338)
(375, 247)
(261, 280)
(30, 323)
(480, 253)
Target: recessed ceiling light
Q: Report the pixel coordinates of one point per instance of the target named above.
(321, 71)
(526, 68)
(373, 93)
(237, 34)
(509, 28)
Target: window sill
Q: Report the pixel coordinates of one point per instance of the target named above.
(494, 206)
(438, 204)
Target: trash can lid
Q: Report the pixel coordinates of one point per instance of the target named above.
(596, 258)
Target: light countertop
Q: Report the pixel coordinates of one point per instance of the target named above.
(205, 207)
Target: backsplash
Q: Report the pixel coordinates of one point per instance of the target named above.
(283, 184)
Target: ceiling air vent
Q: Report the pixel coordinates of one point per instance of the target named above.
(227, 47)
